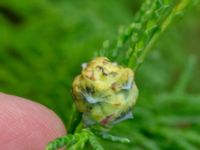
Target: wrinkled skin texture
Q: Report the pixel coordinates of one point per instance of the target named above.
(104, 92)
(26, 125)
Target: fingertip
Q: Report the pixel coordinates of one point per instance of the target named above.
(26, 124)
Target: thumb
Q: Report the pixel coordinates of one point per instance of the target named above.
(26, 125)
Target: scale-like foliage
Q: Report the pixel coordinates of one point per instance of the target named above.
(44, 43)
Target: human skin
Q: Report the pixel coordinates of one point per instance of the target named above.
(26, 125)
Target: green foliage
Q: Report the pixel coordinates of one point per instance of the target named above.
(150, 22)
(76, 141)
(95, 145)
(43, 44)
(109, 137)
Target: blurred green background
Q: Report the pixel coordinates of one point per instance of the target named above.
(43, 43)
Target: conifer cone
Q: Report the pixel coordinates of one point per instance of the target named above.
(104, 92)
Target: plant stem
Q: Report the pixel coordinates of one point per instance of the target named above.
(79, 127)
(138, 55)
(75, 120)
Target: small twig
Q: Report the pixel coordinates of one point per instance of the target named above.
(74, 121)
(61, 142)
(112, 138)
(76, 141)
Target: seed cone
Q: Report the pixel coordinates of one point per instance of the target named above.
(104, 92)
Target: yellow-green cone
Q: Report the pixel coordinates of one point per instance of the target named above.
(104, 92)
